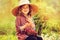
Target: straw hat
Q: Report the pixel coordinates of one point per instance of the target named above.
(23, 2)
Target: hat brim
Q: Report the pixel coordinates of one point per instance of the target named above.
(34, 9)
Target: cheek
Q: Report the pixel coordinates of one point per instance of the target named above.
(27, 10)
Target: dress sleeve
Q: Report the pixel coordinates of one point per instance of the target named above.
(18, 24)
(18, 21)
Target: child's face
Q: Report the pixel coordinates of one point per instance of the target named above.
(25, 9)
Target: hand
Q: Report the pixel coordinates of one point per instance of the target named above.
(24, 26)
(30, 31)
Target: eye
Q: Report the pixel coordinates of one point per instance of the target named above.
(26, 6)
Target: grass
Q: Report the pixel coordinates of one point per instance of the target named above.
(8, 37)
(52, 36)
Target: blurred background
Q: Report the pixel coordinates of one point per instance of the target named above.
(47, 20)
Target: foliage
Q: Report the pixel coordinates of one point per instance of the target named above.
(48, 18)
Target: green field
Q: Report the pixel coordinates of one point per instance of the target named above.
(48, 16)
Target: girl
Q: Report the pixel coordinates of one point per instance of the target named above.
(24, 24)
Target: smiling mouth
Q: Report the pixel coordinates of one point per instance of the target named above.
(25, 11)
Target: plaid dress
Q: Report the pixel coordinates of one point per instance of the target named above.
(20, 21)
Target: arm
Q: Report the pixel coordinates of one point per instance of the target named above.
(18, 24)
(24, 26)
(27, 25)
(31, 22)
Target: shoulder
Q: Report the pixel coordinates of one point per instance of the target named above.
(18, 17)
